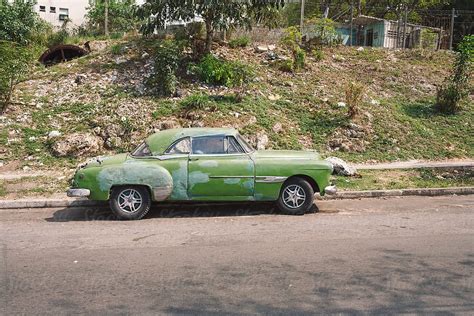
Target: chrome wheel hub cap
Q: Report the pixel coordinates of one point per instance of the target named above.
(129, 200)
(294, 196)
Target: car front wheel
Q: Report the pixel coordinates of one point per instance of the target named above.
(296, 197)
(130, 202)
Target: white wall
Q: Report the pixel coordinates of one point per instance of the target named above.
(77, 10)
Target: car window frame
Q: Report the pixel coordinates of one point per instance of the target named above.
(207, 136)
(239, 146)
(167, 153)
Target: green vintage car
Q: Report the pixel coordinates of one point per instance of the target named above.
(202, 164)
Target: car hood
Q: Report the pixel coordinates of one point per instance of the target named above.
(104, 161)
(286, 154)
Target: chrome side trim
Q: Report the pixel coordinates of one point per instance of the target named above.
(161, 193)
(231, 177)
(270, 179)
(78, 192)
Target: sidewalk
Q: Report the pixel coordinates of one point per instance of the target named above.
(416, 164)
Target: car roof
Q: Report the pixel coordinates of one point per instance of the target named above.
(160, 141)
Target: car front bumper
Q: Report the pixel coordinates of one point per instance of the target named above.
(78, 192)
(330, 190)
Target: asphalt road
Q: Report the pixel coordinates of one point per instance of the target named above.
(381, 256)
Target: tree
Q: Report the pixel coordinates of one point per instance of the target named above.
(14, 63)
(17, 20)
(216, 14)
(119, 14)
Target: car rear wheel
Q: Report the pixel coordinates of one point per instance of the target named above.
(296, 197)
(130, 202)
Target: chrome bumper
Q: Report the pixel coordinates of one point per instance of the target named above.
(78, 192)
(330, 189)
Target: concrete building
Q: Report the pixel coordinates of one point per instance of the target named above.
(57, 11)
(377, 32)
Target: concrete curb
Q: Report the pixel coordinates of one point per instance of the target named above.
(52, 203)
(402, 192)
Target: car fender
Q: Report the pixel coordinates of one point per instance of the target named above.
(155, 177)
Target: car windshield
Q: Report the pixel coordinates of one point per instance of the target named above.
(244, 144)
(142, 150)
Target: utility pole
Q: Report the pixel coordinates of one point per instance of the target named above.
(106, 18)
(302, 16)
(405, 28)
(352, 18)
(451, 31)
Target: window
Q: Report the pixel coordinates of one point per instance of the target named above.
(42, 8)
(52, 9)
(142, 150)
(208, 145)
(182, 146)
(63, 14)
(233, 146)
(246, 145)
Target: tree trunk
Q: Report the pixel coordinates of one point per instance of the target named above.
(209, 36)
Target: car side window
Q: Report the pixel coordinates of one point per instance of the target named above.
(142, 150)
(233, 147)
(208, 145)
(182, 146)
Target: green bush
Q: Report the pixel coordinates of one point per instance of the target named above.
(195, 102)
(285, 65)
(14, 64)
(217, 71)
(167, 56)
(17, 21)
(299, 59)
(318, 54)
(455, 88)
(324, 32)
(58, 38)
(291, 40)
(354, 93)
(116, 49)
(428, 39)
(241, 41)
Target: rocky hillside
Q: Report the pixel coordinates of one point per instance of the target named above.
(100, 104)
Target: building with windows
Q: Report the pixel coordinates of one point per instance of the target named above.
(57, 11)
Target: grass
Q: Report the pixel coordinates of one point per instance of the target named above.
(3, 191)
(404, 179)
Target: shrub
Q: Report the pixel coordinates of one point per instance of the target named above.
(318, 54)
(195, 102)
(285, 65)
(58, 38)
(428, 39)
(291, 40)
(17, 21)
(299, 59)
(324, 32)
(456, 87)
(167, 56)
(354, 94)
(14, 65)
(216, 71)
(116, 49)
(241, 41)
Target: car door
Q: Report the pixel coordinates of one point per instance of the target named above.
(219, 169)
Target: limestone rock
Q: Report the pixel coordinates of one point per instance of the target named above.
(77, 144)
(341, 167)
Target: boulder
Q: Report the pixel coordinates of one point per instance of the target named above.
(262, 141)
(54, 134)
(341, 167)
(277, 128)
(77, 144)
